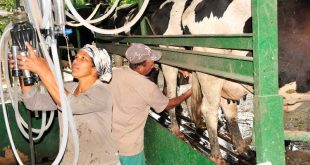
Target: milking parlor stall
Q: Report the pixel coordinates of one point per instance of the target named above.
(245, 60)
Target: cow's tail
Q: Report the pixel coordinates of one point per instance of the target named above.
(196, 100)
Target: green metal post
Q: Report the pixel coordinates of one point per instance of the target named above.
(143, 21)
(268, 122)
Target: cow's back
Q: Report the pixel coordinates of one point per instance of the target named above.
(216, 16)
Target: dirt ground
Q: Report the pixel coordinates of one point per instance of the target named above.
(298, 153)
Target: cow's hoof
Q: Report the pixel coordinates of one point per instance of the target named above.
(219, 160)
(250, 156)
(174, 129)
(178, 133)
(242, 147)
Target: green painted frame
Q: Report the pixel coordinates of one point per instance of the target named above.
(261, 70)
(50, 138)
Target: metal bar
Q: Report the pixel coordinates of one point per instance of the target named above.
(142, 22)
(297, 135)
(268, 121)
(237, 41)
(241, 158)
(70, 48)
(231, 67)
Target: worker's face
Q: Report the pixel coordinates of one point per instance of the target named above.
(148, 67)
(82, 65)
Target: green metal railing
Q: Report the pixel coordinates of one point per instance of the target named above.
(46, 148)
(233, 67)
(261, 71)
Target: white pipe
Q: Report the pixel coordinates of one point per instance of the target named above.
(64, 103)
(107, 31)
(97, 19)
(5, 13)
(88, 18)
(65, 130)
(36, 13)
(65, 117)
(47, 9)
(6, 121)
(14, 99)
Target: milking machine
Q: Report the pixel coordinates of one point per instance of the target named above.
(22, 32)
(38, 22)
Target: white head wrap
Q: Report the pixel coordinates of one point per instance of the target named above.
(101, 60)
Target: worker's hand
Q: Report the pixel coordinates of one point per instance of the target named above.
(182, 89)
(188, 92)
(33, 62)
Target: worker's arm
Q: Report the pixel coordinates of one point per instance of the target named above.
(178, 100)
(39, 66)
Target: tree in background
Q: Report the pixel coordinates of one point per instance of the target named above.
(10, 4)
(5, 5)
(125, 1)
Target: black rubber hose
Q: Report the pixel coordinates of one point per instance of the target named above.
(33, 35)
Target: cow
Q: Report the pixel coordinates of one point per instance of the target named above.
(169, 24)
(219, 17)
(208, 17)
(234, 17)
(180, 13)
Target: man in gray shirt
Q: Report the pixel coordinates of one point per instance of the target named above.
(133, 95)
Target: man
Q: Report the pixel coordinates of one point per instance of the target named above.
(133, 95)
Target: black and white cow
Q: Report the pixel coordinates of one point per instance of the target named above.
(210, 19)
(176, 17)
(233, 17)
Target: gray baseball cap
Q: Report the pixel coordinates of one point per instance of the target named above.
(137, 53)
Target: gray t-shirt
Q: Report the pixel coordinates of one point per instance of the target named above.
(92, 113)
(133, 95)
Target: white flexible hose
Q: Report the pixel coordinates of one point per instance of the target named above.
(36, 13)
(66, 110)
(6, 121)
(107, 31)
(65, 131)
(47, 12)
(106, 15)
(4, 13)
(64, 103)
(88, 18)
(14, 99)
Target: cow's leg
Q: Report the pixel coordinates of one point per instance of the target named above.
(230, 111)
(211, 89)
(194, 101)
(170, 74)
